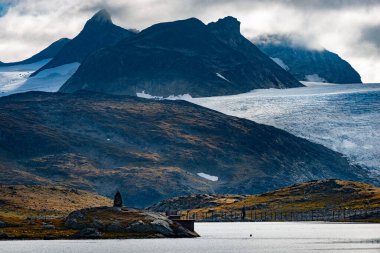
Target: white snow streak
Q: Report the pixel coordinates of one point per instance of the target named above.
(208, 177)
(315, 78)
(171, 97)
(280, 63)
(220, 76)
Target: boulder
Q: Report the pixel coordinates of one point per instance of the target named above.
(3, 224)
(4, 236)
(110, 219)
(48, 226)
(88, 233)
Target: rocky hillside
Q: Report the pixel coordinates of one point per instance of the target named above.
(151, 150)
(196, 201)
(307, 64)
(97, 33)
(181, 57)
(313, 195)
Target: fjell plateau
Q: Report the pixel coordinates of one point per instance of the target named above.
(181, 57)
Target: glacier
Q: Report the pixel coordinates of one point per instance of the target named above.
(342, 117)
(15, 79)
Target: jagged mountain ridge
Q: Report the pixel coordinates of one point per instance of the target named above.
(151, 150)
(181, 57)
(97, 33)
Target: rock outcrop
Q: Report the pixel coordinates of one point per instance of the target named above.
(3, 224)
(93, 222)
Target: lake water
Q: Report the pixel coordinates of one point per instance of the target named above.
(229, 237)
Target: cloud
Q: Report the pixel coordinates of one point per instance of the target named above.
(371, 35)
(347, 27)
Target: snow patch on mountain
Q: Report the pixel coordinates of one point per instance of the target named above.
(345, 118)
(208, 177)
(222, 77)
(171, 97)
(315, 78)
(280, 63)
(12, 77)
(15, 79)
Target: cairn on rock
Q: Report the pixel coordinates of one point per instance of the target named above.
(118, 200)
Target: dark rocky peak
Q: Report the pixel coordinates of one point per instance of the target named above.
(98, 32)
(188, 35)
(227, 30)
(228, 25)
(185, 26)
(101, 16)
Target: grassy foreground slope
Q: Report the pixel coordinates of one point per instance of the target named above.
(31, 212)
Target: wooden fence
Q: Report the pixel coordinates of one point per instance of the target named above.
(259, 215)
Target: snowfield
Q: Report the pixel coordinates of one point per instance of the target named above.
(15, 79)
(345, 118)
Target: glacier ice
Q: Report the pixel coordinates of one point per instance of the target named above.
(345, 118)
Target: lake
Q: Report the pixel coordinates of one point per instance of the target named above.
(229, 237)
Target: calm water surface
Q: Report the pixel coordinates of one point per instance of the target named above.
(229, 237)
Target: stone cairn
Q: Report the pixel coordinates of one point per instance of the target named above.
(117, 200)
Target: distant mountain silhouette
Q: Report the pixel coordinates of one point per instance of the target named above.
(47, 53)
(181, 57)
(307, 64)
(97, 33)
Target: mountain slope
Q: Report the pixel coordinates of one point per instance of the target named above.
(181, 57)
(23, 200)
(97, 33)
(321, 197)
(308, 64)
(48, 53)
(151, 150)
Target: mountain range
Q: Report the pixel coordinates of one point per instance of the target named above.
(307, 64)
(175, 58)
(181, 57)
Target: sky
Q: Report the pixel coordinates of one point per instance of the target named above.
(350, 28)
